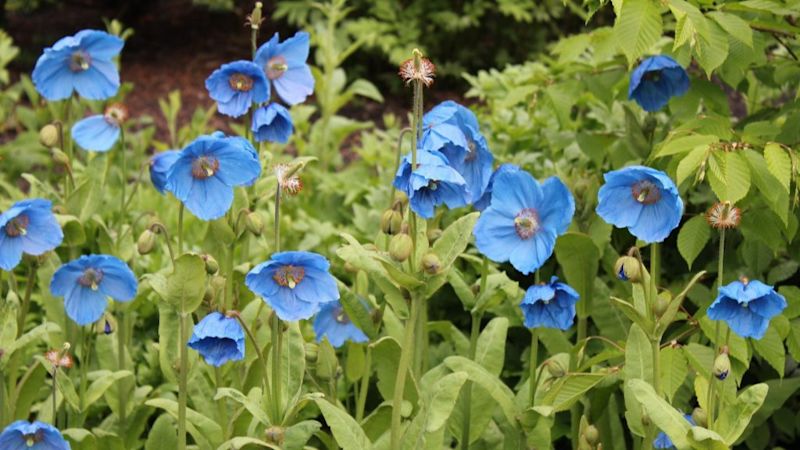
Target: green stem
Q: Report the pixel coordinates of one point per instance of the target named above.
(183, 380)
(257, 348)
(710, 401)
(278, 218)
(364, 390)
(534, 364)
(123, 205)
(55, 404)
(222, 407)
(123, 406)
(85, 339)
(475, 331)
(655, 267)
(406, 353)
(180, 228)
(26, 300)
(398, 157)
(277, 338)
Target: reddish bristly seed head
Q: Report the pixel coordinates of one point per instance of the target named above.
(116, 113)
(425, 72)
(290, 184)
(723, 215)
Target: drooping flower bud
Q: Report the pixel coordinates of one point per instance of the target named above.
(391, 222)
(592, 434)
(312, 351)
(628, 268)
(662, 303)
(555, 368)
(255, 18)
(400, 200)
(722, 365)
(59, 157)
(433, 234)
(146, 242)
(400, 247)
(212, 266)
(254, 224)
(700, 417)
(431, 264)
(209, 295)
(49, 135)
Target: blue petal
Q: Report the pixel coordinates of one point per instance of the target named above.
(13, 437)
(495, 235)
(160, 164)
(209, 198)
(43, 232)
(118, 281)
(95, 133)
(532, 253)
(84, 305)
(260, 281)
(52, 76)
(289, 307)
(558, 206)
(317, 287)
(99, 82)
(295, 49)
(10, 251)
(515, 191)
(237, 166)
(295, 85)
(99, 44)
(769, 305)
(658, 220)
(272, 123)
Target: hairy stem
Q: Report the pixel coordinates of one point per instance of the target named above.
(277, 338)
(364, 389)
(402, 372)
(183, 381)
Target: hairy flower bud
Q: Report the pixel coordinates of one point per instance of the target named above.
(312, 350)
(146, 242)
(209, 295)
(400, 247)
(662, 303)
(700, 417)
(391, 222)
(433, 234)
(555, 368)
(722, 366)
(628, 268)
(399, 201)
(59, 157)
(431, 264)
(49, 135)
(212, 266)
(254, 224)
(592, 434)
(274, 435)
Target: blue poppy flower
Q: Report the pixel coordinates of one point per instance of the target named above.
(24, 435)
(160, 163)
(82, 63)
(100, 132)
(237, 85)
(206, 171)
(218, 338)
(285, 64)
(523, 220)
(550, 305)
(663, 441)
(432, 183)
(86, 282)
(29, 226)
(272, 123)
(747, 307)
(655, 81)
(483, 202)
(294, 284)
(332, 322)
(641, 199)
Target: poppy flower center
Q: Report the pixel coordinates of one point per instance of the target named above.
(91, 278)
(34, 438)
(80, 61)
(527, 223)
(433, 185)
(289, 276)
(646, 192)
(653, 76)
(18, 226)
(204, 167)
(116, 114)
(276, 66)
(471, 150)
(341, 316)
(240, 82)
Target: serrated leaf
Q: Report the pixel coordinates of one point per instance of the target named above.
(729, 176)
(345, 429)
(711, 49)
(779, 164)
(736, 27)
(770, 347)
(692, 238)
(685, 144)
(637, 27)
(674, 369)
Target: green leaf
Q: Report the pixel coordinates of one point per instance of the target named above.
(240, 442)
(162, 435)
(346, 430)
(674, 368)
(638, 355)
(685, 144)
(779, 163)
(186, 285)
(73, 230)
(661, 413)
(293, 363)
(454, 239)
(711, 49)
(770, 347)
(365, 260)
(690, 163)
(490, 349)
(67, 389)
(733, 419)
(729, 176)
(444, 395)
(103, 382)
(199, 426)
(567, 390)
(692, 238)
(637, 27)
(480, 376)
(579, 259)
(257, 410)
(736, 27)
(386, 355)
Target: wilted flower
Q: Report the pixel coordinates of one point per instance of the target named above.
(218, 339)
(29, 226)
(409, 71)
(432, 183)
(58, 358)
(723, 215)
(272, 123)
(207, 170)
(483, 202)
(655, 81)
(550, 305)
(24, 435)
(86, 282)
(288, 179)
(663, 441)
(237, 85)
(523, 220)
(332, 322)
(642, 199)
(82, 63)
(100, 132)
(284, 63)
(294, 284)
(160, 163)
(747, 307)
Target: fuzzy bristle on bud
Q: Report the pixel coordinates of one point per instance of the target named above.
(288, 179)
(723, 215)
(423, 71)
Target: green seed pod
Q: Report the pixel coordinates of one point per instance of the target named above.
(700, 417)
(391, 222)
(592, 434)
(400, 247)
(431, 264)
(254, 223)
(146, 242)
(722, 366)
(49, 135)
(628, 268)
(555, 368)
(212, 266)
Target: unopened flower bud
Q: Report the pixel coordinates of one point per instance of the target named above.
(350, 268)
(662, 303)
(431, 264)
(146, 242)
(312, 350)
(722, 366)
(700, 417)
(555, 368)
(212, 266)
(49, 135)
(592, 434)
(254, 223)
(400, 247)
(274, 435)
(59, 157)
(399, 201)
(209, 295)
(628, 268)
(391, 222)
(433, 234)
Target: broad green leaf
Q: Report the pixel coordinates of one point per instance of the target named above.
(199, 426)
(73, 230)
(293, 363)
(444, 394)
(692, 238)
(33, 335)
(567, 390)
(162, 435)
(363, 259)
(637, 27)
(67, 390)
(103, 382)
(638, 355)
(690, 163)
(186, 285)
(734, 418)
(490, 349)
(690, 23)
(386, 356)
(705, 439)
(358, 312)
(631, 313)
(685, 144)
(770, 347)
(579, 258)
(257, 410)
(711, 49)
(661, 413)
(297, 435)
(480, 376)
(674, 368)
(240, 442)
(780, 390)
(700, 357)
(779, 163)
(736, 27)
(729, 176)
(346, 430)
(454, 239)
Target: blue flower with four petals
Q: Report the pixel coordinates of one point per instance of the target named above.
(655, 81)
(332, 322)
(218, 338)
(24, 435)
(747, 307)
(236, 86)
(432, 183)
(284, 63)
(550, 305)
(29, 226)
